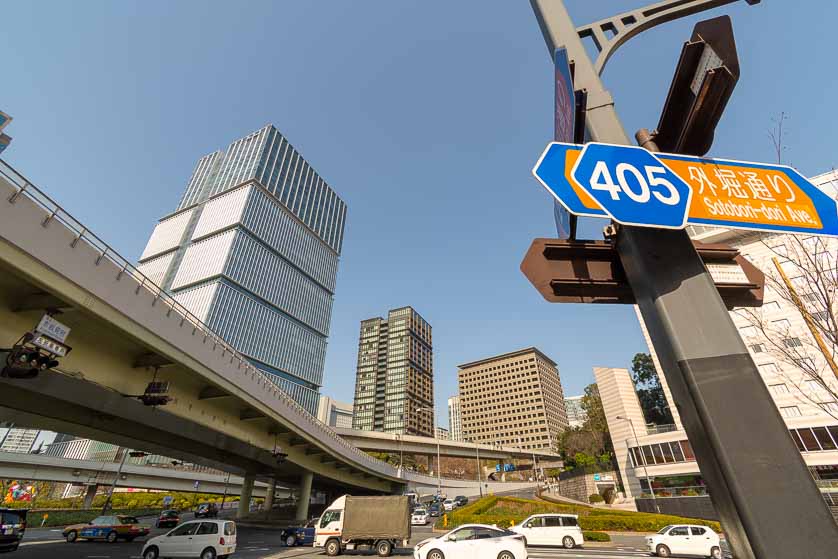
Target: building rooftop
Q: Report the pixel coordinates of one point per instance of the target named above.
(507, 356)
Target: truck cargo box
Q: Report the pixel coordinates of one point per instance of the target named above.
(376, 518)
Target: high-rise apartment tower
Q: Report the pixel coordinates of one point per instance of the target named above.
(455, 418)
(394, 385)
(252, 250)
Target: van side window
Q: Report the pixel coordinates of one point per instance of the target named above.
(552, 521)
(569, 521)
(329, 516)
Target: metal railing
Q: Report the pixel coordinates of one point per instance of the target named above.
(127, 269)
(657, 429)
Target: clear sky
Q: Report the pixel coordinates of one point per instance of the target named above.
(425, 116)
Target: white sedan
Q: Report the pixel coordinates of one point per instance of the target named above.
(685, 539)
(420, 517)
(473, 541)
(204, 539)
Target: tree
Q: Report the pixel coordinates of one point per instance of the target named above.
(649, 390)
(591, 442)
(592, 404)
(803, 273)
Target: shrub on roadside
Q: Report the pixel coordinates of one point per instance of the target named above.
(596, 536)
(595, 498)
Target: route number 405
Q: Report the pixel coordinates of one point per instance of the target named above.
(644, 184)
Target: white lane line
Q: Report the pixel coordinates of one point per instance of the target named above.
(41, 542)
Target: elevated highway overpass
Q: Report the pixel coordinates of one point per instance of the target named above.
(127, 332)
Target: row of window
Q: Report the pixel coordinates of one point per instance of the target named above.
(815, 439)
(662, 453)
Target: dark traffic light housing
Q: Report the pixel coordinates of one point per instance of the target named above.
(33, 353)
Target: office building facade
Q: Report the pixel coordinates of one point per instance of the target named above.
(394, 384)
(576, 414)
(252, 250)
(809, 410)
(18, 440)
(455, 418)
(442, 433)
(334, 413)
(514, 399)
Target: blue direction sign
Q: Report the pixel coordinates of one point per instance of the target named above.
(632, 186)
(636, 187)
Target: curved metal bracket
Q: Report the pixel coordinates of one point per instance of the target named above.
(610, 33)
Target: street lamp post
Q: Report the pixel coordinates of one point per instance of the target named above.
(645, 469)
(438, 462)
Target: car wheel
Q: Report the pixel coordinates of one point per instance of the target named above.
(506, 555)
(715, 552)
(435, 554)
(151, 553)
(111, 537)
(662, 551)
(71, 536)
(208, 553)
(332, 548)
(290, 541)
(568, 542)
(384, 548)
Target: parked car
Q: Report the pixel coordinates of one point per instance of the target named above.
(551, 529)
(435, 509)
(420, 517)
(168, 519)
(685, 539)
(12, 527)
(300, 535)
(206, 510)
(473, 540)
(448, 504)
(204, 539)
(461, 500)
(108, 528)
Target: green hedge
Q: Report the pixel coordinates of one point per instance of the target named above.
(506, 511)
(596, 536)
(67, 517)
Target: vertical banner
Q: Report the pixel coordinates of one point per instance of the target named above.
(563, 127)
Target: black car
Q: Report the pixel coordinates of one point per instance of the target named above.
(461, 500)
(168, 518)
(206, 510)
(435, 509)
(12, 527)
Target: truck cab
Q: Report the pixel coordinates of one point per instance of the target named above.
(353, 523)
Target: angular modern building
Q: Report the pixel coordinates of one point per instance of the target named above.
(394, 385)
(252, 250)
(334, 413)
(513, 399)
(455, 418)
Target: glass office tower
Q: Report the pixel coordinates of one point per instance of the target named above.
(252, 250)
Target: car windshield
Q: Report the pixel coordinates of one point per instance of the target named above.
(169, 513)
(12, 517)
(420, 511)
(128, 520)
(664, 529)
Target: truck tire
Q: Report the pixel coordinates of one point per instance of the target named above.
(383, 548)
(332, 547)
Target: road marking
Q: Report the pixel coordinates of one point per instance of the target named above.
(41, 542)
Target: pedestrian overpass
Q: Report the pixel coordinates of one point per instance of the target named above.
(126, 332)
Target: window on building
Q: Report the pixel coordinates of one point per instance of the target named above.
(790, 411)
(796, 438)
(771, 306)
(667, 453)
(768, 368)
(748, 332)
(826, 442)
(792, 342)
(783, 325)
(829, 407)
(688, 450)
(778, 389)
(757, 348)
(809, 440)
(676, 451)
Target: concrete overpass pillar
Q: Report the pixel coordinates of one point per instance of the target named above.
(305, 496)
(89, 495)
(269, 495)
(246, 494)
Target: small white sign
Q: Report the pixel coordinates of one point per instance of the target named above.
(728, 273)
(52, 328)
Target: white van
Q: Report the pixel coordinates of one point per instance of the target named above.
(551, 529)
(206, 539)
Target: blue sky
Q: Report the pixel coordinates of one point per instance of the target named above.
(425, 116)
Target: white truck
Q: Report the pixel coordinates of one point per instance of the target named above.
(376, 523)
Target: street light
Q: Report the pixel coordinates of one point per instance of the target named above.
(642, 459)
(438, 463)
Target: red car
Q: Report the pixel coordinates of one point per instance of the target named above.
(168, 518)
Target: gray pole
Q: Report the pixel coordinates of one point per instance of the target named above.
(756, 476)
(115, 480)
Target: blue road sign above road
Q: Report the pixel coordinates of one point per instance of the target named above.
(564, 125)
(636, 187)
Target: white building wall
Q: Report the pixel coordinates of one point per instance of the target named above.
(455, 419)
(167, 235)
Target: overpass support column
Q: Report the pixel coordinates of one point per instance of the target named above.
(269, 495)
(89, 495)
(246, 494)
(305, 496)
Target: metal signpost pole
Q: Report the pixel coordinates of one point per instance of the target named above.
(645, 469)
(756, 476)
